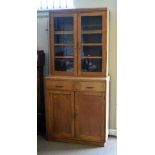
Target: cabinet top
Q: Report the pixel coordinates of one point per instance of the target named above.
(78, 10)
(78, 78)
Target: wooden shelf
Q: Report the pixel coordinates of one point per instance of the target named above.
(91, 57)
(64, 57)
(63, 44)
(92, 32)
(63, 32)
(91, 44)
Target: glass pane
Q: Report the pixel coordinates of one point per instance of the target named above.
(91, 38)
(91, 65)
(91, 22)
(63, 38)
(63, 50)
(91, 51)
(63, 23)
(64, 64)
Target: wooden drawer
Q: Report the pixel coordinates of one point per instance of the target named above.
(90, 86)
(59, 85)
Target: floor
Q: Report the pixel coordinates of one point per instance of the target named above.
(58, 148)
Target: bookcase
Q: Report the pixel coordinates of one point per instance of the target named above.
(77, 89)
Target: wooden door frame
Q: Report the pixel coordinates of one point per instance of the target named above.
(51, 27)
(104, 44)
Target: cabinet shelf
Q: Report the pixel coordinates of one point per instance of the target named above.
(63, 44)
(63, 32)
(64, 57)
(91, 32)
(91, 57)
(91, 44)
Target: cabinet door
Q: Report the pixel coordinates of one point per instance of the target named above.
(92, 45)
(63, 44)
(90, 116)
(60, 114)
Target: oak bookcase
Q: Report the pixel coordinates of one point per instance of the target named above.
(77, 89)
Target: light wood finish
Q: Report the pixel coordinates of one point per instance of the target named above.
(90, 86)
(92, 44)
(89, 120)
(60, 114)
(91, 32)
(63, 44)
(77, 102)
(88, 99)
(69, 78)
(59, 85)
(63, 32)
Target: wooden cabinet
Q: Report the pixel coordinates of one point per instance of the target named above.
(76, 109)
(60, 114)
(78, 86)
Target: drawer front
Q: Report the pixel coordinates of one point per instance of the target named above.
(90, 86)
(59, 85)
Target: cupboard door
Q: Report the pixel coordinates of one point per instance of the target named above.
(63, 44)
(60, 114)
(90, 116)
(92, 44)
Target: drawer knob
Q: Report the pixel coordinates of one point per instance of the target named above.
(90, 87)
(59, 86)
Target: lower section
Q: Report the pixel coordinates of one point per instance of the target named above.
(76, 110)
(76, 141)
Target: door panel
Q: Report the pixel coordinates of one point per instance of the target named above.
(63, 44)
(89, 121)
(60, 111)
(92, 33)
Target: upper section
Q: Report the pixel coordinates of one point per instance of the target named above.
(79, 42)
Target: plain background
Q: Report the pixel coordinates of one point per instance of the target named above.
(18, 78)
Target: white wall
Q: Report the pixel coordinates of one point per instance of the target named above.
(112, 6)
(43, 38)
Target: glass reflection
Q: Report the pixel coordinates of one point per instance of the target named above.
(63, 50)
(63, 38)
(91, 23)
(63, 23)
(91, 38)
(91, 51)
(64, 64)
(91, 65)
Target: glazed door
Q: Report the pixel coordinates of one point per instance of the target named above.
(63, 44)
(60, 114)
(90, 115)
(92, 44)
